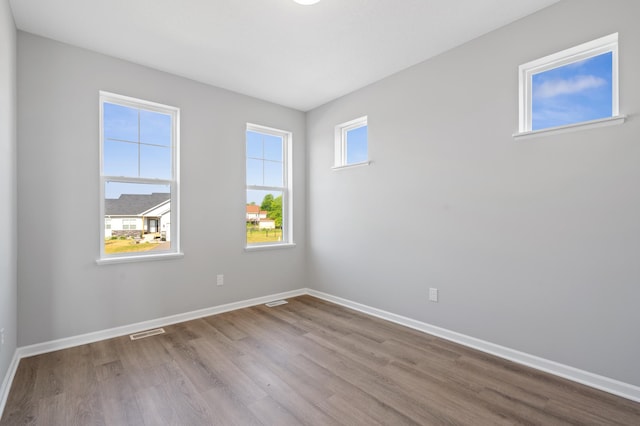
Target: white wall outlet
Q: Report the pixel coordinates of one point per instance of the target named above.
(433, 294)
(220, 279)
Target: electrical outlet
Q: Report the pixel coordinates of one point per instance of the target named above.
(433, 294)
(220, 279)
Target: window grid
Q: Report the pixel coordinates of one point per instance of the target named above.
(265, 186)
(138, 179)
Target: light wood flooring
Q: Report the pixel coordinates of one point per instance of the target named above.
(306, 362)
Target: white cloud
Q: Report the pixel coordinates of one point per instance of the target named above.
(550, 89)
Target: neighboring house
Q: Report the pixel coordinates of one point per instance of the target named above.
(254, 214)
(267, 224)
(133, 214)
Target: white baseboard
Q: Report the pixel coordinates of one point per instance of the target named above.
(8, 380)
(603, 383)
(606, 384)
(83, 339)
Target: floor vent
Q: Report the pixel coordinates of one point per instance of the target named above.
(148, 333)
(276, 303)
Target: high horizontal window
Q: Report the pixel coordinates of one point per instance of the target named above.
(139, 177)
(577, 85)
(268, 186)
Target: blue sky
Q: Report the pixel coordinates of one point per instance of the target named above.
(357, 145)
(572, 93)
(137, 143)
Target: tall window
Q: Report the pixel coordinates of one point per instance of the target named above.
(577, 85)
(268, 186)
(139, 177)
(351, 143)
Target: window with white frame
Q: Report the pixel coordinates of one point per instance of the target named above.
(129, 224)
(577, 86)
(351, 143)
(268, 187)
(139, 147)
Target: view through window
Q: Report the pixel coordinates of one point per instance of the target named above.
(267, 186)
(139, 176)
(573, 93)
(351, 143)
(578, 85)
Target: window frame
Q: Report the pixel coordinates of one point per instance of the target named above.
(286, 189)
(574, 54)
(173, 182)
(341, 143)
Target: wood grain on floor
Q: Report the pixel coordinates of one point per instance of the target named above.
(308, 362)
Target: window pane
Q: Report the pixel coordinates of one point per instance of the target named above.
(357, 145)
(255, 172)
(272, 147)
(130, 158)
(573, 93)
(266, 155)
(254, 145)
(120, 122)
(155, 128)
(273, 173)
(155, 162)
(129, 208)
(120, 158)
(264, 216)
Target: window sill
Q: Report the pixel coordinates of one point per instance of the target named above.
(351, 166)
(603, 122)
(138, 258)
(269, 246)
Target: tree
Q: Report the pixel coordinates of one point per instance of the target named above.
(276, 211)
(266, 203)
(273, 207)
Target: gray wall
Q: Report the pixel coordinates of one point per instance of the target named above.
(8, 218)
(533, 244)
(62, 291)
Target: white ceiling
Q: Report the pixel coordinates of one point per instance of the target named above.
(277, 50)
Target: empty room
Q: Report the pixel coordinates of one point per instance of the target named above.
(318, 212)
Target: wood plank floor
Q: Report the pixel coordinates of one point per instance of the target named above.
(307, 362)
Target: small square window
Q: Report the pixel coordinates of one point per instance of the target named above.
(351, 143)
(575, 86)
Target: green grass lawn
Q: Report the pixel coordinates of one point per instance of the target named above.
(126, 246)
(263, 235)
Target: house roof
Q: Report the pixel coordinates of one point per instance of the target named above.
(134, 204)
(254, 209)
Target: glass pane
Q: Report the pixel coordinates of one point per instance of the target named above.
(120, 158)
(254, 145)
(264, 217)
(272, 147)
(272, 173)
(120, 122)
(155, 128)
(357, 145)
(573, 93)
(155, 162)
(130, 208)
(254, 172)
